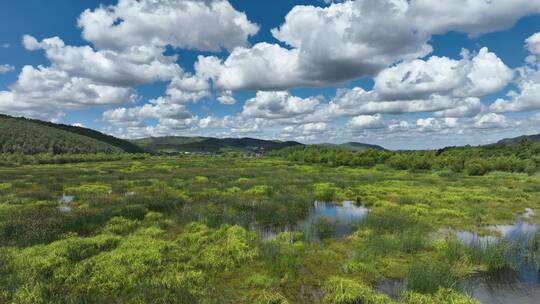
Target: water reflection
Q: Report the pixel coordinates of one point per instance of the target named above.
(64, 202)
(324, 219)
(341, 220)
(520, 285)
(66, 199)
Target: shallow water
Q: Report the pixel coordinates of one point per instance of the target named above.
(64, 202)
(342, 218)
(66, 199)
(521, 286)
(489, 292)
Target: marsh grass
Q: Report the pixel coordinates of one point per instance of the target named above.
(194, 251)
(428, 277)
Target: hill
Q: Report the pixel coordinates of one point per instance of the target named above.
(518, 140)
(30, 136)
(355, 146)
(179, 144)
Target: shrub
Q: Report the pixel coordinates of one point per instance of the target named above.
(325, 191)
(477, 167)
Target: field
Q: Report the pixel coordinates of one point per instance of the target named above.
(225, 230)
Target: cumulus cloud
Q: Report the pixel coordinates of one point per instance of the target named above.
(527, 98)
(490, 121)
(358, 101)
(6, 68)
(133, 66)
(481, 75)
(262, 67)
(533, 44)
(41, 92)
(362, 122)
(467, 107)
(274, 105)
(186, 88)
(188, 24)
(351, 39)
(469, 16)
(226, 98)
(131, 122)
(327, 45)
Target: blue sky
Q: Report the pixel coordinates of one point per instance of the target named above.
(385, 72)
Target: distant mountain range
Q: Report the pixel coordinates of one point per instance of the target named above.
(355, 146)
(179, 144)
(518, 140)
(30, 136)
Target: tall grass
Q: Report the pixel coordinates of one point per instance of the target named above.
(428, 277)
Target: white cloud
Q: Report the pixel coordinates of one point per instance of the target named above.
(469, 16)
(6, 68)
(226, 98)
(131, 122)
(429, 124)
(275, 105)
(527, 100)
(351, 39)
(533, 44)
(42, 92)
(484, 74)
(264, 66)
(133, 66)
(468, 107)
(490, 121)
(188, 24)
(357, 101)
(363, 122)
(188, 88)
(528, 96)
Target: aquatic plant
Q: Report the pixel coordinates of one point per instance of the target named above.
(339, 290)
(430, 276)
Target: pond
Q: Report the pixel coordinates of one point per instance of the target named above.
(64, 202)
(337, 221)
(520, 285)
(325, 219)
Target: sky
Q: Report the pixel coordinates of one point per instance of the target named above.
(402, 74)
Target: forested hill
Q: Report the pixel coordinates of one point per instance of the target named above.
(518, 140)
(355, 146)
(28, 136)
(178, 144)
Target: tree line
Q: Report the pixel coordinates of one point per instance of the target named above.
(522, 157)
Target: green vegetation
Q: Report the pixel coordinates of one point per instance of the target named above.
(190, 229)
(522, 157)
(28, 136)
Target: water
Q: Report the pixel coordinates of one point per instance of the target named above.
(342, 219)
(66, 199)
(64, 202)
(519, 286)
(336, 221)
